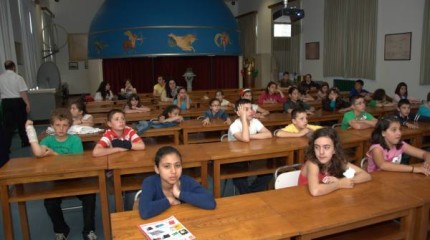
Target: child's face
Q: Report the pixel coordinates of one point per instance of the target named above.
(301, 121)
(247, 107)
(107, 87)
(402, 90)
(117, 122)
(169, 168)
(160, 80)
(219, 96)
(324, 89)
(75, 111)
(134, 102)
(172, 84)
(404, 110)
(294, 95)
(182, 93)
(308, 78)
(272, 88)
(358, 86)
(393, 134)
(359, 105)
(247, 95)
(332, 95)
(215, 106)
(60, 127)
(173, 113)
(324, 149)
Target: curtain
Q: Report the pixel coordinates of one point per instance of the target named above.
(425, 47)
(7, 46)
(248, 34)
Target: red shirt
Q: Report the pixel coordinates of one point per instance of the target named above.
(128, 134)
(303, 180)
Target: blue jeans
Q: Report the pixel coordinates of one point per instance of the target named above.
(142, 126)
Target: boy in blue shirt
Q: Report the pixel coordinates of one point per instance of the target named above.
(58, 144)
(215, 111)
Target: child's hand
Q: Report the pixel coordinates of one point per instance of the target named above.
(422, 169)
(176, 191)
(412, 126)
(305, 131)
(28, 123)
(49, 152)
(228, 121)
(173, 201)
(206, 122)
(346, 183)
(241, 111)
(179, 119)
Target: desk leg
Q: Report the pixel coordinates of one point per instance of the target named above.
(117, 189)
(23, 218)
(421, 224)
(104, 205)
(204, 173)
(408, 223)
(7, 216)
(217, 180)
(184, 136)
(176, 137)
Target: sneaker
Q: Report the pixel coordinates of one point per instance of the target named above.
(60, 236)
(91, 235)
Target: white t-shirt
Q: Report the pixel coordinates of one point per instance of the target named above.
(255, 126)
(11, 84)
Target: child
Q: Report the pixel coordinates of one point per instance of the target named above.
(272, 94)
(285, 82)
(215, 112)
(224, 102)
(245, 129)
(169, 187)
(357, 118)
(133, 105)
(387, 148)
(103, 92)
(259, 111)
(182, 99)
(379, 99)
(119, 137)
(424, 110)
(404, 113)
(308, 83)
(295, 102)
(358, 90)
(304, 94)
(80, 115)
(323, 91)
(333, 102)
(299, 127)
(168, 94)
(326, 165)
(401, 92)
(59, 144)
(169, 117)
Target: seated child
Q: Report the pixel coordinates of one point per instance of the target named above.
(224, 102)
(294, 102)
(326, 169)
(299, 127)
(358, 118)
(215, 112)
(323, 91)
(59, 144)
(404, 114)
(401, 92)
(80, 115)
(424, 110)
(387, 149)
(133, 105)
(334, 102)
(272, 94)
(169, 118)
(304, 94)
(244, 129)
(358, 90)
(182, 99)
(119, 137)
(379, 99)
(259, 111)
(169, 187)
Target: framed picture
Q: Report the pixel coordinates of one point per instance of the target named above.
(398, 46)
(312, 51)
(78, 44)
(73, 65)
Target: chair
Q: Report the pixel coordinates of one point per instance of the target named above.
(200, 118)
(224, 137)
(276, 132)
(363, 163)
(287, 176)
(136, 200)
(336, 125)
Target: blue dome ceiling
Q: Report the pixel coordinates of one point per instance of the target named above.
(133, 28)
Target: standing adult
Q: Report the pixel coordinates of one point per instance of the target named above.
(159, 87)
(15, 104)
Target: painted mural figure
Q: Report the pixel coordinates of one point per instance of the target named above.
(222, 39)
(183, 42)
(130, 44)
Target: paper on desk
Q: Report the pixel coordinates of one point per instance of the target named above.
(349, 173)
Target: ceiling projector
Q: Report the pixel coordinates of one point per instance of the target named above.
(288, 15)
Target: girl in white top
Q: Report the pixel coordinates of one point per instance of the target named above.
(224, 102)
(80, 115)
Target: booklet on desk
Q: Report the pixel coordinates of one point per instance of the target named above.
(169, 228)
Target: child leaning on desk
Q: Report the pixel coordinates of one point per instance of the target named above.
(168, 118)
(134, 105)
(215, 111)
(404, 114)
(387, 149)
(295, 102)
(299, 127)
(326, 169)
(80, 115)
(358, 118)
(58, 144)
(169, 187)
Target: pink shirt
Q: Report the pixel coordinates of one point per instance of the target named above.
(393, 155)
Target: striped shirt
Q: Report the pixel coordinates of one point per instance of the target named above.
(128, 134)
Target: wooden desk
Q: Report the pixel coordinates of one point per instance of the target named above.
(239, 217)
(232, 152)
(196, 126)
(133, 162)
(343, 210)
(36, 179)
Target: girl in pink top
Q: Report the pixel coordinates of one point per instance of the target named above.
(323, 171)
(272, 94)
(387, 149)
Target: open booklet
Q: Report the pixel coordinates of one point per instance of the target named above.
(169, 228)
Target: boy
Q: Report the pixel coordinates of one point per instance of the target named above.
(215, 112)
(358, 90)
(358, 118)
(404, 113)
(58, 144)
(244, 129)
(299, 127)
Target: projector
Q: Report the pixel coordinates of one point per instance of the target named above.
(288, 15)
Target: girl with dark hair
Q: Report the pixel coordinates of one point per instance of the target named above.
(401, 92)
(272, 94)
(103, 92)
(333, 102)
(387, 149)
(326, 165)
(182, 99)
(79, 113)
(170, 92)
(169, 187)
(169, 118)
(323, 91)
(379, 99)
(134, 106)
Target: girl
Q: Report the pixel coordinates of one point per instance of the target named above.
(169, 117)
(323, 91)
(103, 92)
(333, 102)
(169, 187)
(294, 102)
(401, 92)
(224, 102)
(80, 115)
(325, 167)
(134, 106)
(119, 137)
(272, 94)
(379, 99)
(182, 99)
(387, 148)
(304, 94)
(170, 92)
(259, 112)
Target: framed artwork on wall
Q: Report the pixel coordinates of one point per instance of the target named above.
(398, 46)
(312, 51)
